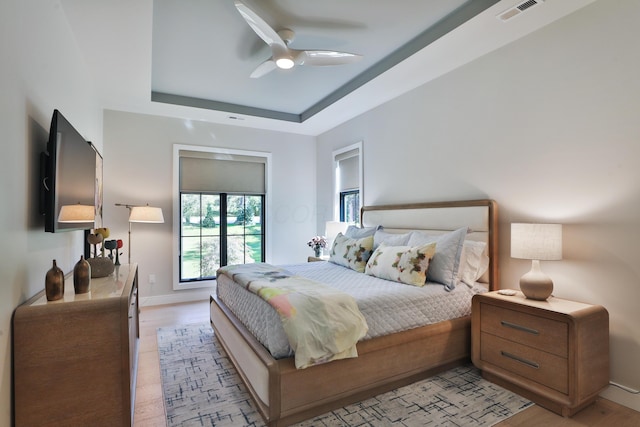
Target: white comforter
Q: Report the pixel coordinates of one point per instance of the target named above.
(322, 323)
(387, 307)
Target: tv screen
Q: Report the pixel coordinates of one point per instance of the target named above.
(70, 175)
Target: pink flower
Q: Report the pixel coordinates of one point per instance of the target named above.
(317, 242)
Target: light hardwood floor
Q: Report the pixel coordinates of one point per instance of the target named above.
(149, 410)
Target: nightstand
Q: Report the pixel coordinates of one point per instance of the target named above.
(554, 352)
(315, 258)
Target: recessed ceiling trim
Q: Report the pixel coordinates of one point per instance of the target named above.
(424, 39)
(449, 23)
(209, 104)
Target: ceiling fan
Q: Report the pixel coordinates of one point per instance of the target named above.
(281, 55)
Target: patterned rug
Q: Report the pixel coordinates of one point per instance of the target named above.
(202, 388)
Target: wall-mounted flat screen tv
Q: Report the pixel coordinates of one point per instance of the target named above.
(71, 174)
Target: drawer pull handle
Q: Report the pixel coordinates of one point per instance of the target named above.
(520, 359)
(519, 327)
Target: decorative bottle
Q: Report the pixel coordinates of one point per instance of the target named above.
(54, 283)
(81, 276)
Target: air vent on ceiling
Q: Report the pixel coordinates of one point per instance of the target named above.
(518, 9)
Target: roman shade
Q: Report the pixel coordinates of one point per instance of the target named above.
(348, 165)
(221, 173)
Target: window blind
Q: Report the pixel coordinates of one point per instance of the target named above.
(221, 173)
(349, 170)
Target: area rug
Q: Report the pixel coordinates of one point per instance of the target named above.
(202, 388)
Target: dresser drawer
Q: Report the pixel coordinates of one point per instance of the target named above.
(539, 366)
(544, 334)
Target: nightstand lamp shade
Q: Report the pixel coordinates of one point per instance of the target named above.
(537, 242)
(332, 229)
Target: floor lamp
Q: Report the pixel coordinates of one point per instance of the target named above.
(147, 214)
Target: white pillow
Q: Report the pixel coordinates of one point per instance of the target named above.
(404, 264)
(445, 263)
(473, 262)
(358, 233)
(390, 239)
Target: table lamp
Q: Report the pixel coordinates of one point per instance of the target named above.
(331, 230)
(537, 242)
(77, 213)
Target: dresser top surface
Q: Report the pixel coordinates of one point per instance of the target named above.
(107, 287)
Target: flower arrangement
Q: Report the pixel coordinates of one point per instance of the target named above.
(317, 243)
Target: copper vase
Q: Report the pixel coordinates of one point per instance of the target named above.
(81, 276)
(54, 283)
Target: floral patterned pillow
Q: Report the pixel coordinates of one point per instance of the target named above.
(446, 262)
(403, 264)
(351, 253)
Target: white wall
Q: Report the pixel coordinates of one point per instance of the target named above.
(41, 70)
(138, 170)
(548, 127)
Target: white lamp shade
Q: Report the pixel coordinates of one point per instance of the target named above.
(148, 214)
(77, 213)
(536, 241)
(332, 228)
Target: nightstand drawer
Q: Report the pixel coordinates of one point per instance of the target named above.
(539, 366)
(544, 334)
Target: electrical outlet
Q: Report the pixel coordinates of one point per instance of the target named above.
(152, 279)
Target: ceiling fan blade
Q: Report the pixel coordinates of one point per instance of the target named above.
(264, 68)
(325, 57)
(262, 29)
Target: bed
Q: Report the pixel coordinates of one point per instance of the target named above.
(285, 395)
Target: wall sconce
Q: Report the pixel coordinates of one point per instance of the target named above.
(147, 214)
(77, 213)
(537, 242)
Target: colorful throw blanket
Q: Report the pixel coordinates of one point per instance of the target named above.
(321, 323)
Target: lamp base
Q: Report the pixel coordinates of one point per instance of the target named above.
(535, 284)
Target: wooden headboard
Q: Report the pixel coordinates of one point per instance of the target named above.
(481, 216)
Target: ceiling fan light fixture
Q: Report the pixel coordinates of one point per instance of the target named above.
(284, 63)
(282, 56)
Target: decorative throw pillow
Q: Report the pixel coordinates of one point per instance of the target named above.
(352, 253)
(446, 261)
(404, 264)
(358, 233)
(390, 239)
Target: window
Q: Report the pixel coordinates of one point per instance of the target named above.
(350, 206)
(219, 211)
(348, 183)
(218, 230)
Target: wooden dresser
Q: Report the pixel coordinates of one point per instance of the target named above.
(554, 352)
(75, 359)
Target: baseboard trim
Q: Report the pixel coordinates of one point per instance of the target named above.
(622, 397)
(177, 297)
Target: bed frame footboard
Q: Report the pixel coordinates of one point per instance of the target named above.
(285, 395)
